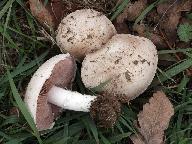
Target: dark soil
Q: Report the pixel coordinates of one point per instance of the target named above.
(105, 110)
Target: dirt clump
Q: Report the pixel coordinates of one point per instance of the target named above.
(105, 110)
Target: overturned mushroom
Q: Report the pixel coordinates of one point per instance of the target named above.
(127, 63)
(47, 93)
(84, 31)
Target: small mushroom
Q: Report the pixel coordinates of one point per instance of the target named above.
(126, 64)
(47, 92)
(84, 31)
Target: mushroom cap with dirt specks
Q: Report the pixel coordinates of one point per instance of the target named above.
(59, 71)
(84, 31)
(126, 64)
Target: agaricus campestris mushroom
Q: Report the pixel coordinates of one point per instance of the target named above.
(47, 92)
(126, 63)
(84, 31)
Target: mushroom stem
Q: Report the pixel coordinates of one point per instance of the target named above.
(70, 100)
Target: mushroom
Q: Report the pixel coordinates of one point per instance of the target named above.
(126, 64)
(47, 92)
(84, 31)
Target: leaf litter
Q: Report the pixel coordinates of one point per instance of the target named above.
(53, 12)
(132, 11)
(164, 18)
(153, 120)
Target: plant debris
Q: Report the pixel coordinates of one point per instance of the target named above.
(137, 139)
(51, 14)
(121, 28)
(42, 13)
(132, 11)
(161, 23)
(148, 32)
(170, 13)
(153, 120)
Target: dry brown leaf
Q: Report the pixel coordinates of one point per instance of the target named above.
(186, 5)
(122, 28)
(51, 14)
(154, 119)
(132, 11)
(148, 32)
(170, 13)
(136, 139)
(41, 13)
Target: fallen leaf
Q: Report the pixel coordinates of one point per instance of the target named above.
(153, 120)
(51, 14)
(136, 139)
(185, 6)
(122, 28)
(41, 13)
(154, 36)
(185, 20)
(132, 11)
(170, 13)
(153, 17)
(183, 45)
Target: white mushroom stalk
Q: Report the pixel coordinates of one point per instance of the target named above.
(70, 100)
(47, 92)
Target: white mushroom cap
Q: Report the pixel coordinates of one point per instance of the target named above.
(127, 62)
(59, 71)
(84, 31)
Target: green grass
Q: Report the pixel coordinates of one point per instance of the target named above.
(19, 31)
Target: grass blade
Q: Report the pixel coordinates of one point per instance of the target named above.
(120, 8)
(24, 68)
(119, 137)
(104, 139)
(147, 10)
(183, 84)
(8, 17)
(174, 51)
(92, 127)
(5, 8)
(100, 87)
(5, 34)
(22, 107)
(175, 70)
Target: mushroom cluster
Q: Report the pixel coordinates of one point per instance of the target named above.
(47, 93)
(126, 63)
